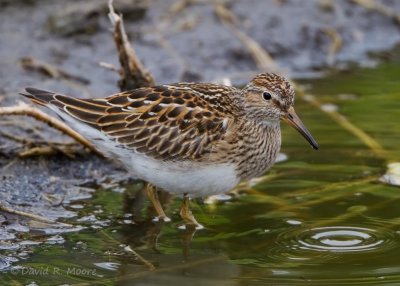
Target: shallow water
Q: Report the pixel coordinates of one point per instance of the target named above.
(317, 218)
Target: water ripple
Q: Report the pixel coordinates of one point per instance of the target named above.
(324, 243)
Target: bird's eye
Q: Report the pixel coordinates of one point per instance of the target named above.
(266, 95)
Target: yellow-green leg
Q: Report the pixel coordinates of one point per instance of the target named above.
(153, 196)
(187, 215)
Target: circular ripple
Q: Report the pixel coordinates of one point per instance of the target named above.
(324, 243)
(341, 239)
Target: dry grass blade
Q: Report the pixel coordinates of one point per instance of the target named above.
(16, 138)
(336, 44)
(110, 67)
(325, 193)
(26, 110)
(177, 7)
(51, 147)
(46, 151)
(50, 70)
(346, 124)
(378, 7)
(133, 74)
(260, 56)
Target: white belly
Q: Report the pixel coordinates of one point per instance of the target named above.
(183, 177)
(174, 177)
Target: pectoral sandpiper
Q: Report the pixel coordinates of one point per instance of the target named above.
(191, 139)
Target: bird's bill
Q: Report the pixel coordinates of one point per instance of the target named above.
(293, 119)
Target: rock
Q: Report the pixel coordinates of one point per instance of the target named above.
(84, 17)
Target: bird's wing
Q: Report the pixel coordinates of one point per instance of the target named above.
(216, 95)
(164, 122)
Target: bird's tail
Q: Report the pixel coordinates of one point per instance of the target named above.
(42, 97)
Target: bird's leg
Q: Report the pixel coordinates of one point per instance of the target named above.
(187, 215)
(153, 196)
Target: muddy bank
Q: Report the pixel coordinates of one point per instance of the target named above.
(177, 41)
(188, 41)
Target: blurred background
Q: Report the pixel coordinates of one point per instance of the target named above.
(317, 218)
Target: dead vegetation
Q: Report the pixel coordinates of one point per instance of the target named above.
(49, 70)
(133, 74)
(26, 110)
(380, 8)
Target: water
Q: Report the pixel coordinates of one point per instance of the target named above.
(317, 218)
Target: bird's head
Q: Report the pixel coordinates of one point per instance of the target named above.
(268, 98)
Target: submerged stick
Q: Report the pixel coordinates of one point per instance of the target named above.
(347, 125)
(141, 258)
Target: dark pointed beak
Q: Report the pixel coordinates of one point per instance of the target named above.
(294, 120)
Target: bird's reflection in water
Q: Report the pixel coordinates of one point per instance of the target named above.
(156, 267)
(145, 231)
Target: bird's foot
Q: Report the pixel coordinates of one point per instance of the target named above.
(191, 226)
(187, 216)
(161, 219)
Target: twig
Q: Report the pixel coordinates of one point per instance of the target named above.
(16, 138)
(50, 148)
(110, 67)
(179, 6)
(27, 141)
(133, 74)
(51, 200)
(26, 110)
(9, 164)
(45, 151)
(50, 70)
(31, 216)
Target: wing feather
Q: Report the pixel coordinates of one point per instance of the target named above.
(164, 122)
